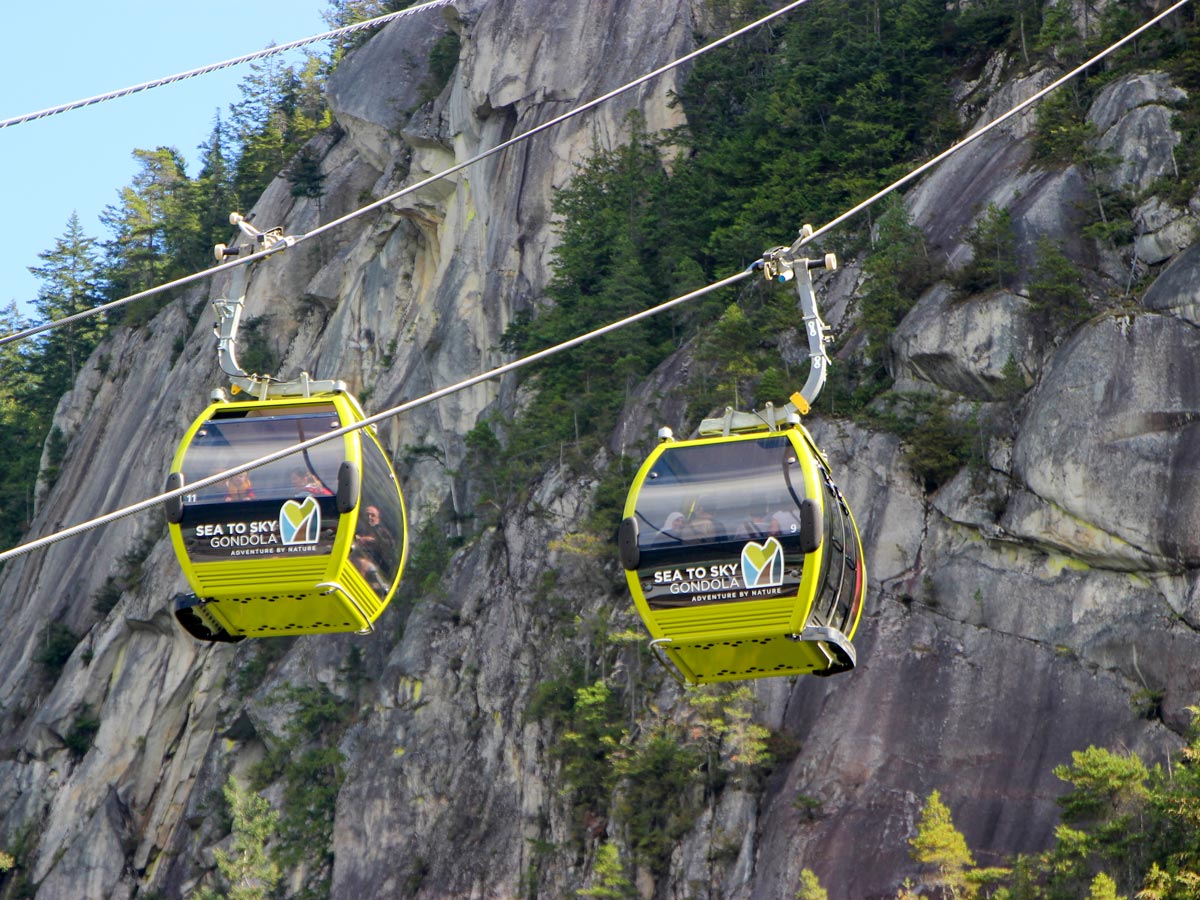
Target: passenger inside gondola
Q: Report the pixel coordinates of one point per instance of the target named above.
(784, 520)
(238, 488)
(754, 526)
(673, 525)
(374, 539)
(700, 524)
(305, 482)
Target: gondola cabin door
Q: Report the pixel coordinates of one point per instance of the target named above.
(742, 557)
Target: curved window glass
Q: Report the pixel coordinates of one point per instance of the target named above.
(379, 536)
(282, 509)
(721, 522)
(841, 581)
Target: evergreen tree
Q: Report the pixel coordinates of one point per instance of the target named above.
(810, 887)
(153, 225)
(728, 346)
(12, 356)
(587, 746)
(897, 270)
(1103, 888)
(939, 844)
(654, 802)
(23, 422)
(305, 175)
(350, 12)
(280, 110)
(1055, 293)
(214, 196)
(830, 112)
(248, 870)
(304, 100)
(994, 242)
(260, 124)
(70, 283)
(608, 875)
(610, 262)
(1058, 36)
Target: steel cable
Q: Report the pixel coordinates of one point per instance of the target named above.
(90, 524)
(292, 240)
(215, 67)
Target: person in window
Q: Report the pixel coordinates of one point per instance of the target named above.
(239, 488)
(700, 524)
(672, 526)
(375, 538)
(373, 551)
(755, 526)
(305, 482)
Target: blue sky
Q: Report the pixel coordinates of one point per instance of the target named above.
(78, 161)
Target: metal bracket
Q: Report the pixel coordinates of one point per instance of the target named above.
(780, 266)
(229, 316)
(835, 645)
(335, 588)
(664, 660)
(260, 241)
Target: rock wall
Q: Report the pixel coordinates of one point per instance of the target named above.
(1015, 615)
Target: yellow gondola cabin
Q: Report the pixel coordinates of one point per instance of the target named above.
(743, 558)
(309, 544)
(741, 554)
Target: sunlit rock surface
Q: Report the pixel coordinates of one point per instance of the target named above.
(1021, 612)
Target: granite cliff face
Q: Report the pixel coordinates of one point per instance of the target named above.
(1023, 611)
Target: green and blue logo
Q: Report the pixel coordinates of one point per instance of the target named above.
(300, 522)
(762, 564)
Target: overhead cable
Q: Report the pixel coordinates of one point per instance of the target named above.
(975, 135)
(151, 502)
(229, 63)
(391, 198)
(83, 527)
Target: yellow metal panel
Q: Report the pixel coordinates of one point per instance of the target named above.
(698, 622)
(735, 659)
(742, 615)
(320, 611)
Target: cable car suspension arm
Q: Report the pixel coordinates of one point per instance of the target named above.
(229, 317)
(782, 264)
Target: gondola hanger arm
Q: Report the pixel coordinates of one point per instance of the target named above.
(783, 265)
(229, 316)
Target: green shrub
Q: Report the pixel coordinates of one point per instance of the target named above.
(307, 760)
(659, 799)
(1056, 295)
(994, 242)
(83, 730)
(936, 444)
(56, 452)
(443, 58)
(108, 595)
(586, 747)
(56, 645)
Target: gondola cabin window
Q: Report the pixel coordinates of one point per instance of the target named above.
(377, 549)
(720, 523)
(262, 513)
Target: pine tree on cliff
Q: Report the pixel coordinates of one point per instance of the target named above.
(939, 844)
(70, 283)
(246, 868)
(153, 222)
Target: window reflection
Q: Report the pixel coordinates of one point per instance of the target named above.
(739, 491)
(225, 442)
(378, 536)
